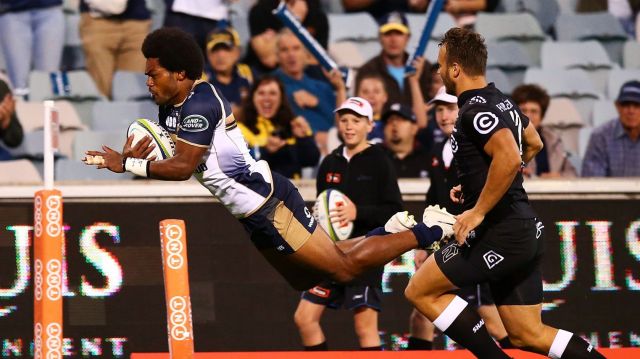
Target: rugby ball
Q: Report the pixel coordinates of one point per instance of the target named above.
(327, 201)
(165, 147)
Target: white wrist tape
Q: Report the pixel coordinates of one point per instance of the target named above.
(137, 166)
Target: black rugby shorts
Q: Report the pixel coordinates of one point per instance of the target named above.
(507, 255)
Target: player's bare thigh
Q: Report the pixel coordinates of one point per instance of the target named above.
(425, 288)
(319, 258)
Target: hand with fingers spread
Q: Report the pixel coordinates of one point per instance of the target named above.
(141, 149)
(114, 160)
(465, 223)
(344, 213)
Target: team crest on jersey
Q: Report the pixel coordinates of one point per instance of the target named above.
(454, 144)
(194, 123)
(484, 122)
(477, 99)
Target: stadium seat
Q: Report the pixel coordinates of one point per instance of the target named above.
(567, 6)
(74, 85)
(563, 118)
(500, 79)
(617, 78)
(574, 84)
(587, 55)
(603, 111)
(331, 6)
(545, 11)
(117, 115)
(93, 140)
(71, 169)
(18, 171)
(511, 58)
(352, 54)
(32, 145)
(583, 140)
(130, 86)
(354, 27)
(601, 26)
(521, 27)
(416, 24)
(631, 55)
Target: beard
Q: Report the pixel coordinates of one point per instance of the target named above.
(449, 86)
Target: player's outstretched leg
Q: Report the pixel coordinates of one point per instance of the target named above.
(320, 258)
(527, 332)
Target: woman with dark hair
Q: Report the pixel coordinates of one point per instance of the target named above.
(552, 161)
(274, 133)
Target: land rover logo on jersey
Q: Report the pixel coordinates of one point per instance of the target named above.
(194, 123)
(484, 122)
(492, 259)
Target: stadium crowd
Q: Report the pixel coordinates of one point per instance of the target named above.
(87, 53)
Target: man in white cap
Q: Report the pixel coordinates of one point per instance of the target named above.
(364, 173)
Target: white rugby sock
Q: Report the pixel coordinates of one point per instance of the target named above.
(559, 344)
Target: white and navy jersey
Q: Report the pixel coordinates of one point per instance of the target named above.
(227, 170)
(483, 112)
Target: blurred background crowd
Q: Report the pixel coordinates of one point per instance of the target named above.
(573, 66)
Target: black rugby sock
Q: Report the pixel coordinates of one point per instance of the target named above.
(317, 348)
(463, 324)
(419, 344)
(505, 343)
(567, 345)
(372, 349)
(426, 235)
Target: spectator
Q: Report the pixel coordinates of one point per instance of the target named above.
(112, 38)
(378, 8)
(363, 173)
(400, 128)
(552, 161)
(371, 88)
(10, 129)
(264, 27)
(274, 133)
(196, 17)
(464, 11)
(614, 147)
(390, 65)
(32, 33)
(233, 79)
(310, 98)
(431, 134)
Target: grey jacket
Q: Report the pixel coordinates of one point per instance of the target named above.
(558, 156)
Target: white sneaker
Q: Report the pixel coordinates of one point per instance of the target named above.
(399, 222)
(436, 216)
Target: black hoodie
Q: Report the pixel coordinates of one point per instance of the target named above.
(370, 181)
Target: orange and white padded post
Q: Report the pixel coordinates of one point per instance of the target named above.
(47, 268)
(173, 237)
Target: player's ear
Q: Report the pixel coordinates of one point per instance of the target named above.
(181, 75)
(456, 69)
